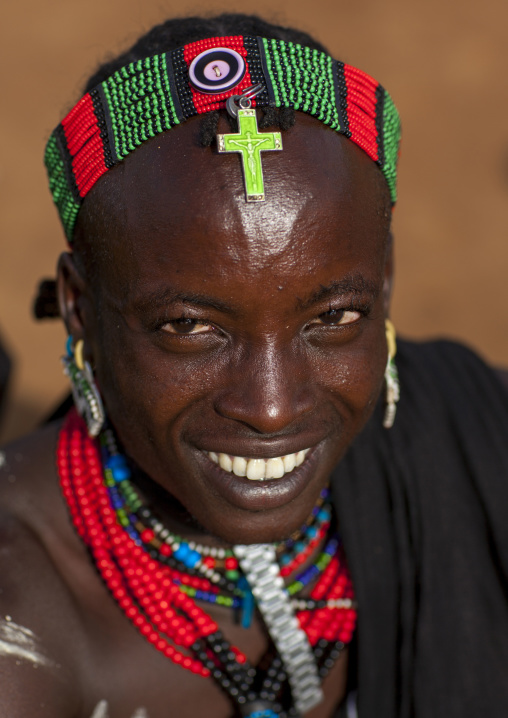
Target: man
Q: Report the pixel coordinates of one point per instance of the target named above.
(239, 350)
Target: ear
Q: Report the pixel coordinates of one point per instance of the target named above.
(72, 296)
(388, 278)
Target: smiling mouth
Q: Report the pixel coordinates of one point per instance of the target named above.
(259, 469)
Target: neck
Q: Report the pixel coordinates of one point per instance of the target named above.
(170, 511)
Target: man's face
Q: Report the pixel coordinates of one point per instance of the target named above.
(255, 331)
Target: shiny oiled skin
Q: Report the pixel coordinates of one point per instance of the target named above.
(286, 351)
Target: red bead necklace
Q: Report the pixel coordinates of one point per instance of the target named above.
(146, 590)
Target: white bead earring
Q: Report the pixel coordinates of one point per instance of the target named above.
(391, 377)
(84, 389)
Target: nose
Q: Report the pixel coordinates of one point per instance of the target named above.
(267, 389)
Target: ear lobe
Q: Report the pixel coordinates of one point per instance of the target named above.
(388, 276)
(71, 294)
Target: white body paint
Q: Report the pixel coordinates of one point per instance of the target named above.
(101, 711)
(19, 642)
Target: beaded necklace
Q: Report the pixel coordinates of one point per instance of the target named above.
(197, 560)
(207, 561)
(147, 585)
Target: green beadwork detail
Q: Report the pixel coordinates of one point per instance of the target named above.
(391, 140)
(321, 563)
(140, 104)
(62, 194)
(171, 119)
(284, 67)
(227, 601)
(332, 106)
(302, 78)
(269, 67)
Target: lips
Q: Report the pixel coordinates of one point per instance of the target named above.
(259, 469)
(261, 492)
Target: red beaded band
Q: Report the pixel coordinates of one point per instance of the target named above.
(155, 94)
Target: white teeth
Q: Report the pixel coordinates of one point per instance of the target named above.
(239, 466)
(255, 469)
(259, 469)
(274, 469)
(289, 462)
(225, 462)
(300, 457)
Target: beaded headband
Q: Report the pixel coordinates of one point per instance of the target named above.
(152, 95)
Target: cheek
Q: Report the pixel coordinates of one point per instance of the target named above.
(149, 398)
(145, 386)
(354, 376)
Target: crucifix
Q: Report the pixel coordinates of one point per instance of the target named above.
(249, 142)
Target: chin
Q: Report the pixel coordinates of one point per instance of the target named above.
(239, 510)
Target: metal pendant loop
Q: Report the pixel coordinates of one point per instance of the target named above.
(243, 101)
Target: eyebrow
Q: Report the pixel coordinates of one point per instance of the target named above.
(170, 296)
(354, 285)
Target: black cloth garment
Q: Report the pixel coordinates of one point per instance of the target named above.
(423, 512)
(5, 370)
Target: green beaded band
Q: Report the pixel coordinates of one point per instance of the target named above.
(304, 79)
(150, 96)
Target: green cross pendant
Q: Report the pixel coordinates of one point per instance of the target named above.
(250, 143)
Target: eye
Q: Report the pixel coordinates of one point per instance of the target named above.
(336, 317)
(186, 325)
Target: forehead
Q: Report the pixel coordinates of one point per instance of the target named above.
(172, 195)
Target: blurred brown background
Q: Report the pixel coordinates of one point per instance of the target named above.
(444, 64)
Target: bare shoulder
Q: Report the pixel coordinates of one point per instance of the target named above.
(27, 472)
(35, 669)
(37, 662)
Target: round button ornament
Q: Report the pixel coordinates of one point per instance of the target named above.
(217, 70)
